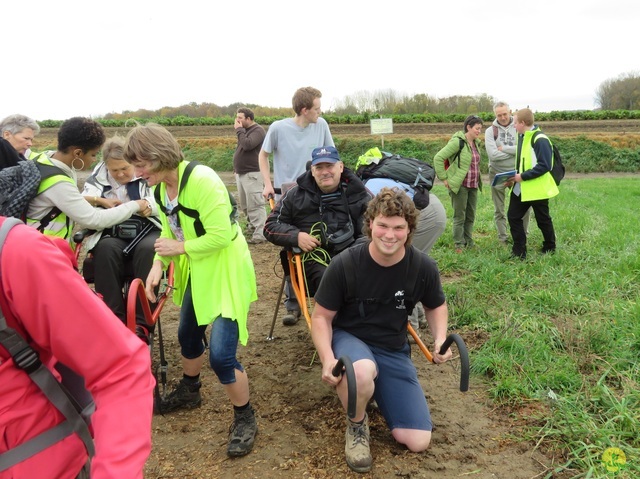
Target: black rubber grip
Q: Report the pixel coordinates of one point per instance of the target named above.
(464, 358)
(352, 392)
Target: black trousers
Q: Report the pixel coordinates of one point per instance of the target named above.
(112, 269)
(517, 210)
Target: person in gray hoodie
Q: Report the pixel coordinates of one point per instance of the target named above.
(500, 142)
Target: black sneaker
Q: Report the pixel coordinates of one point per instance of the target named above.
(184, 396)
(242, 433)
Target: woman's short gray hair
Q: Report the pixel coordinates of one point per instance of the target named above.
(16, 123)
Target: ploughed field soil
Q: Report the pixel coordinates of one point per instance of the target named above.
(438, 129)
(563, 128)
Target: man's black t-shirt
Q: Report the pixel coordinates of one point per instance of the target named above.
(382, 291)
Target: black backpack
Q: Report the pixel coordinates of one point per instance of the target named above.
(557, 168)
(411, 171)
(19, 185)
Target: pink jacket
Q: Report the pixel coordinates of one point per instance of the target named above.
(51, 306)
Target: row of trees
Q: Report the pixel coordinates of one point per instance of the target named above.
(621, 93)
(389, 102)
(198, 110)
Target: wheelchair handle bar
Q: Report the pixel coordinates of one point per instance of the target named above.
(462, 350)
(352, 391)
(79, 236)
(464, 358)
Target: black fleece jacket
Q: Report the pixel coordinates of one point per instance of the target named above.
(304, 207)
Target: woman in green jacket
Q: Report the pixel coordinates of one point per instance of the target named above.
(458, 166)
(214, 277)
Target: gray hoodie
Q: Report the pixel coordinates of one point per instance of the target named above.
(505, 160)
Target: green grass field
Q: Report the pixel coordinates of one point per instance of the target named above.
(563, 330)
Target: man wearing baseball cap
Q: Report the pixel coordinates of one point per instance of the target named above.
(321, 214)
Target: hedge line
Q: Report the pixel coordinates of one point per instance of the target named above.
(365, 117)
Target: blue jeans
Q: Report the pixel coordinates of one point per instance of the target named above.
(223, 341)
(397, 389)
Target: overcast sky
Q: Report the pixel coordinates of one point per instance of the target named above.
(85, 57)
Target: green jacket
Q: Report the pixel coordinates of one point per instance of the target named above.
(218, 264)
(455, 174)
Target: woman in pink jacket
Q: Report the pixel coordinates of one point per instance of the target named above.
(47, 302)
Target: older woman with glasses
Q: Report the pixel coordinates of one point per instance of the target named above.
(458, 166)
(214, 277)
(112, 183)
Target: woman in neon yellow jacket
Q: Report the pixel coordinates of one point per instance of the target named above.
(214, 276)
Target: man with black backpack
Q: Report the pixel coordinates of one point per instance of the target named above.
(533, 185)
(361, 311)
(500, 143)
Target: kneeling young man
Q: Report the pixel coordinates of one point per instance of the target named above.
(373, 332)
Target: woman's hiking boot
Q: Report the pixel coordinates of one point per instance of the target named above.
(356, 448)
(183, 396)
(242, 433)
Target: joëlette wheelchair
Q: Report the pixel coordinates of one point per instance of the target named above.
(135, 296)
(292, 263)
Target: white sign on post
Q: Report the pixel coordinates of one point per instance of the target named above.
(381, 126)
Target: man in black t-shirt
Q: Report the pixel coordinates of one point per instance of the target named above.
(361, 311)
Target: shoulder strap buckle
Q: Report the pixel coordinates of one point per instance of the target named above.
(27, 359)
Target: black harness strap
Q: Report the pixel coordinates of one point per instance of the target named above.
(47, 171)
(190, 212)
(350, 271)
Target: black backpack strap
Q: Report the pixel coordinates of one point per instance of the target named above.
(461, 143)
(413, 278)
(47, 171)
(190, 212)
(350, 274)
(49, 217)
(27, 359)
(187, 211)
(553, 149)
